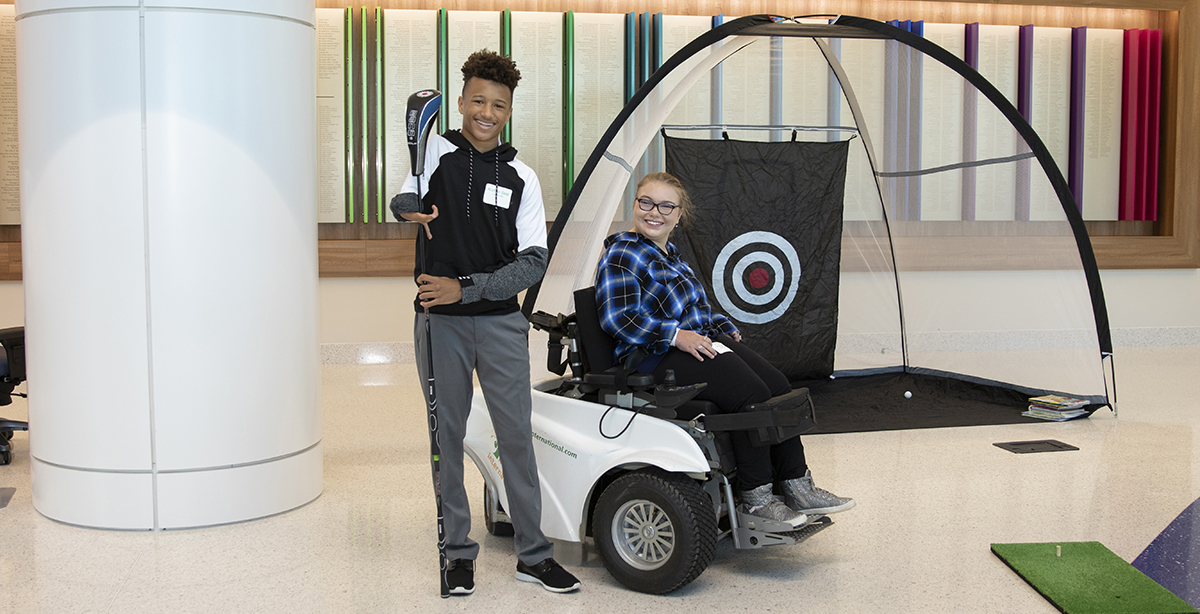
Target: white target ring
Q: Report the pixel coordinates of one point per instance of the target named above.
(739, 285)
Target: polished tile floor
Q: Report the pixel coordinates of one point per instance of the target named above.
(929, 504)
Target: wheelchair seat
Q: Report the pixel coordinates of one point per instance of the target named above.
(591, 359)
(12, 373)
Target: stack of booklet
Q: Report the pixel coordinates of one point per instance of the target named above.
(1056, 407)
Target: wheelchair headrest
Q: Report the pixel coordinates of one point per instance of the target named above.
(598, 346)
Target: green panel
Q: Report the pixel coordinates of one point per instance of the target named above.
(380, 185)
(506, 50)
(364, 110)
(568, 102)
(348, 52)
(443, 68)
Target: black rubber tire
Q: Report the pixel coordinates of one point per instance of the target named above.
(499, 529)
(688, 511)
(7, 435)
(5, 457)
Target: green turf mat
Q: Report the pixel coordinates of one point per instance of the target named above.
(1088, 579)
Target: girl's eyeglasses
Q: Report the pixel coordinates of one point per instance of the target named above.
(665, 207)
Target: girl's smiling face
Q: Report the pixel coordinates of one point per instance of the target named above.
(653, 224)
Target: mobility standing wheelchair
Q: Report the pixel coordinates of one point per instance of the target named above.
(12, 373)
(641, 466)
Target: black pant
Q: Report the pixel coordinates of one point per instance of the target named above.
(737, 379)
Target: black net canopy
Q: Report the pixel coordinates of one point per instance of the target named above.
(869, 208)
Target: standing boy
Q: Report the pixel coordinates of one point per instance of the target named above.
(484, 241)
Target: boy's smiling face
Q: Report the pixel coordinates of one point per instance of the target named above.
(485, 106)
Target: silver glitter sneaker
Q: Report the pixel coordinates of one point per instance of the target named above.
(802, 495)
(762, 503)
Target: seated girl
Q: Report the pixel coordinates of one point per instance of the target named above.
(651, 302)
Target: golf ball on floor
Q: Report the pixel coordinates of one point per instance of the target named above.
(908, 394)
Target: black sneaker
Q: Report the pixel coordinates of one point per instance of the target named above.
(460, 576)
(550, 574)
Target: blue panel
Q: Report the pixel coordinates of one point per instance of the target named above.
(1173, 558)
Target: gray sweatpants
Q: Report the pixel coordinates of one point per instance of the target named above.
(497, 347)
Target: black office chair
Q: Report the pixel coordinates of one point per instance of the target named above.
(12, 373)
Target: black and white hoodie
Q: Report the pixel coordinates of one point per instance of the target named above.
(490, 232)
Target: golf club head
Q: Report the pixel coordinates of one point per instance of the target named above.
(423, 109)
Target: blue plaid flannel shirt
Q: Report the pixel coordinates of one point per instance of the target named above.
(645, 296)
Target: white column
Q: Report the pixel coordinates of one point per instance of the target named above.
(169, 244)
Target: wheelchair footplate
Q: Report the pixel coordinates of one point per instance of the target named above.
(753, 532)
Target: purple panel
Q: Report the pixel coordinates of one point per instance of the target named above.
(1173, 558)
(1078, 98)
(970, 123)
(903, 85)
(891, 124)
(1025, 71)
(1154, 111)
(915, 87)
(1024, 107)
(972, 46)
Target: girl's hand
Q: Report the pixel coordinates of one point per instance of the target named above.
(695, 344)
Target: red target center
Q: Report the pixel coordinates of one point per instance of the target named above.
(759, 278)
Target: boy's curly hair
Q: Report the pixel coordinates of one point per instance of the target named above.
(492, 66)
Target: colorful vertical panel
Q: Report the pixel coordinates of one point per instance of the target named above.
(600, 79)
(466, 32)
(941, 140)
(863, 61)
(10, 186)
(1140, 120)
(631, 56)
(381, 197)
(1100, 156)
(1153, 114)
(1048, 98)
(506, 50)
(995, 193)
(409, 53)
(364, 114)
(970, 135)
(805, 88)
(902, 126)
(916, 67)
(1077, 109)
(696, 106)
(748, 84)
(536, 45)
(1024, 107)
(717, 88)
(334, 124)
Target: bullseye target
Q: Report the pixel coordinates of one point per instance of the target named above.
(755, 277)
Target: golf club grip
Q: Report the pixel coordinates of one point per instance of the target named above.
(423, 109)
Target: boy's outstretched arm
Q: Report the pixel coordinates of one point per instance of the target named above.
(508, 280)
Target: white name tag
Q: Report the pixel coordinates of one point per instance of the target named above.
(497, 196)
(721, 348)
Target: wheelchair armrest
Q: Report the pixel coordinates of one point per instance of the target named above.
(672, 397)
(625, 380)
(551, 324)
